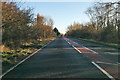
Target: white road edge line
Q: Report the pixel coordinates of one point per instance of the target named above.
(107, 74)
(89, 49)
(106, 63)
(74, 47)
(23, 60)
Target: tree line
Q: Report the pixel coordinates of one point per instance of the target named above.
(104, 23)
(19, 26)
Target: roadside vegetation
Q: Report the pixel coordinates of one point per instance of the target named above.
(103, 27)
(102, 43)
(22, 34)
(12, 57)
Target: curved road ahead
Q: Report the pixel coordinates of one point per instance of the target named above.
(57, 60)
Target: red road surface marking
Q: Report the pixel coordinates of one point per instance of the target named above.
(92, 55)
(81, 47)
(89, 53)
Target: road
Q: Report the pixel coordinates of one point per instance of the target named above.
(59, 59)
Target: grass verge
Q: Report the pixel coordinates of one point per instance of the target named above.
(103, 43)
(12, 57)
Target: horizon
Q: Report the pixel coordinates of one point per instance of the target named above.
(62, 13)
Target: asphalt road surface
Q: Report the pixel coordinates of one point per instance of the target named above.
(57, 60)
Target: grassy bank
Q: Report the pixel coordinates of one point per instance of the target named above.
(12, 57)
(103, 43)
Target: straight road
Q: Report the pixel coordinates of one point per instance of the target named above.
(112, 55)
(57, 60)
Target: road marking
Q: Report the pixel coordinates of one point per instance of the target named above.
(81, 48)
(89, 49)
(76, 49)
(96, 65)
(18, 64)
(107, 74)
(73, 46)
(118, 63)
(23, 60)
(75, 42)
(106, 63)
(85, 47)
